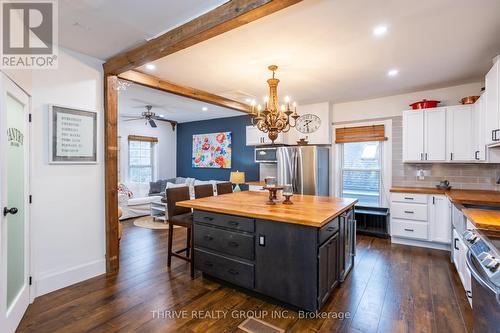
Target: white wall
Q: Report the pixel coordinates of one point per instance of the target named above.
(393, 105)
(323, 134)
(67, 214)
(166, 153)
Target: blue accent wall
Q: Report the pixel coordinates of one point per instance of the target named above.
(242, 156)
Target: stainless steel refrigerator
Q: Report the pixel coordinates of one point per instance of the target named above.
(305, 167)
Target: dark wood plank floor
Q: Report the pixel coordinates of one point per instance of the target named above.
(393, 288)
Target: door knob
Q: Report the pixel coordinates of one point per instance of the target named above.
(12, 211)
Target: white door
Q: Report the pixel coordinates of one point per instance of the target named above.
(14, 216)
(439, 219)
(460, 121)
(413, 135)
(492, 104)
(435, 135)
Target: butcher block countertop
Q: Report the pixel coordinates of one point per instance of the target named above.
(483, 219)
(480, 197)
(309, 210)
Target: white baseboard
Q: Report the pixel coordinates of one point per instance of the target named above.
(414, 242)
(46, 283)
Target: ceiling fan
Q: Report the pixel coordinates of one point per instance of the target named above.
(150, 118)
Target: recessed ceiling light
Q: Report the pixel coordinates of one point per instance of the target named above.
(380, 30)
(393, 72)
(150, 67)
(204, 108)
(248, 100)
(161, 116)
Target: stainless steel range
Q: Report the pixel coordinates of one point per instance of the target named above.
(483, 261)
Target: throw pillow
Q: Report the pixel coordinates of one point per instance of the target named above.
(124, 190)
(155, 187)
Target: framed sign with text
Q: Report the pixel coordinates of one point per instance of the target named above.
(72, 135)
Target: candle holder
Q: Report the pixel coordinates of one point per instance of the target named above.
(272, 194)
(287, 199)
(287, 193)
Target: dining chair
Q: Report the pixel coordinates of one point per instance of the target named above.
(203, 191)
(224, 188)
(183, 217)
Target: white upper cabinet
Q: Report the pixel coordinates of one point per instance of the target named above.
(492, 104)
(439, 219)
(254, 137)
(413, 135)
(424, 135)
(460, 128)
(480, 128)
(435, 135)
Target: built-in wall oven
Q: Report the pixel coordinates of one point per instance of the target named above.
(265, 155)
(483, 262)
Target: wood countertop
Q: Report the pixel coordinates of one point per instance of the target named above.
(256, 183)
(483, 219)
(309, 210)
(480, 197)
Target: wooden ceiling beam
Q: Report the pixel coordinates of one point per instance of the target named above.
(228, 16)
(151, 81)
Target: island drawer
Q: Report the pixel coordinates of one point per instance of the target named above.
(226, 221)
(328, 230)
(230, 270)
(225, 241)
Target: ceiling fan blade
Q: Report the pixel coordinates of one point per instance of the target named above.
(152, 123)
(136, 117)
(133, 119)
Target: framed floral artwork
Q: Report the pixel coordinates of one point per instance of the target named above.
(212, 150)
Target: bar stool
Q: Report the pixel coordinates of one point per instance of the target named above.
(224, 188)
(203, 191)
(179, 216)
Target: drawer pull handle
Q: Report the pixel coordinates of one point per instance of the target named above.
(233, 244)
(411, 230)
(208, 218)
(330, 229)
(209, 264)
(233, 271)
(208, 237)
(233, 223)
(409, 212)
(409, 198)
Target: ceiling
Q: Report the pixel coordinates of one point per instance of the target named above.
(133, 100)
(104, 28)
(326, 50)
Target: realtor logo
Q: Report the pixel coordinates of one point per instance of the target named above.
(29, 34)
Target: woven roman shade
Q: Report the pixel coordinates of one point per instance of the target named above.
(360, 134)
(142, 138)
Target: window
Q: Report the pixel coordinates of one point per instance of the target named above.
(360, 172)
(140, 161)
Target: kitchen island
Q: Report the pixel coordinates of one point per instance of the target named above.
(294, 253)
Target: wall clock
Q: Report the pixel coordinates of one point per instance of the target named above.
(308, 123)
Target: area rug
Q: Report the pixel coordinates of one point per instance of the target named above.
(148, 223)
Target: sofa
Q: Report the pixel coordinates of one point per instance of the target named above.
(135, 198)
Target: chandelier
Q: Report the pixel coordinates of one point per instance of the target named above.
(274, 119)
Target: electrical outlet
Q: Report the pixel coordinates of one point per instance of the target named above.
(421, 174)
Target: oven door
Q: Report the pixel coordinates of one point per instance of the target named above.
(265, 155)
(485, 299)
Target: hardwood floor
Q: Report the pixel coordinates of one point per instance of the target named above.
(392, 288)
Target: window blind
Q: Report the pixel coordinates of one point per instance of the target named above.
(142, 138)
(360, 134)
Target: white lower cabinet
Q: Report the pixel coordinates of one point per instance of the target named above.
(421, 217)
(459, 252)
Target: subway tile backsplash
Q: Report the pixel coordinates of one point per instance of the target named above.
(460, 176)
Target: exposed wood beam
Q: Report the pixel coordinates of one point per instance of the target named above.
(228, 16)
(200, 95)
